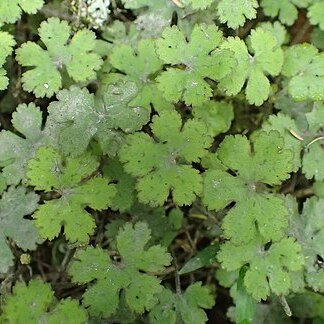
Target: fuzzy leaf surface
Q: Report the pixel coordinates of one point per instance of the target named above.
(304, 66)
(315, 14)
(80, 117)
(217, 116)
(129, 275)
(262, 58)
(35, 303)
(186, 308)
(235, 13)
(125, 186)
(307, 227)
(7, 42)
(255, 209)
(201, 57)
(44, 78)
(163, 164)
(307, 138)
(140, 65)
(11, 10)
(286, 10)
(268, 270)
(197, 4)
(16, 151)
(14, 205)
(70, 177)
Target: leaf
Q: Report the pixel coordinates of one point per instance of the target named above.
(268, 269)
(140, 65)
(307, 138)
(11, 10)
(286, 10)
(164, 227)
(267, 60)
(234, 14)
(116, 105)
(256, 210)
(307, 227)
(16, 151)
(277, 30)
(245, 305)
(125, 196)
(163, 164)
(44, 77)
(197, 4)
(203, 258)
(304, 65)
(14, 205)
(154, 16)
(80, 117)
(286, 126)
(315, 13)
(70, 177)
(312, 306)
(217, 116)
(313, 154)
(129, 275)
(185, 308)
(7, 42)
(201, 58)
(36, 303)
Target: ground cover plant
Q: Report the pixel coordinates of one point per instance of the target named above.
(162, 161)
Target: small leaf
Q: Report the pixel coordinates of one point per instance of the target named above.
(245, 305)
(203, 258)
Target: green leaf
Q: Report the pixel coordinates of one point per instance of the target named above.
(277, 30)
(217, 116)
(70, 177)
(185, 308)
(197, 4)
(312, 306)
(203, 258)
(140, 65)
(118, 110)
(44, 77)
(36, 303)
(314, 153)
(314, 14)
(255, 210)
(164, 227)
(7, 42)
(307, 227)
(286, 126)
(308, 138)
(269, 269)
(125, 185)
(11, 10)
(16, 151)
(163, 164)
(304, 65)
(201, 58)
(245, 305)
(267, 60)
(154, 16)
(286, 10)
(235, 13)
(14, 205)
(129, 275)
(78, 117)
